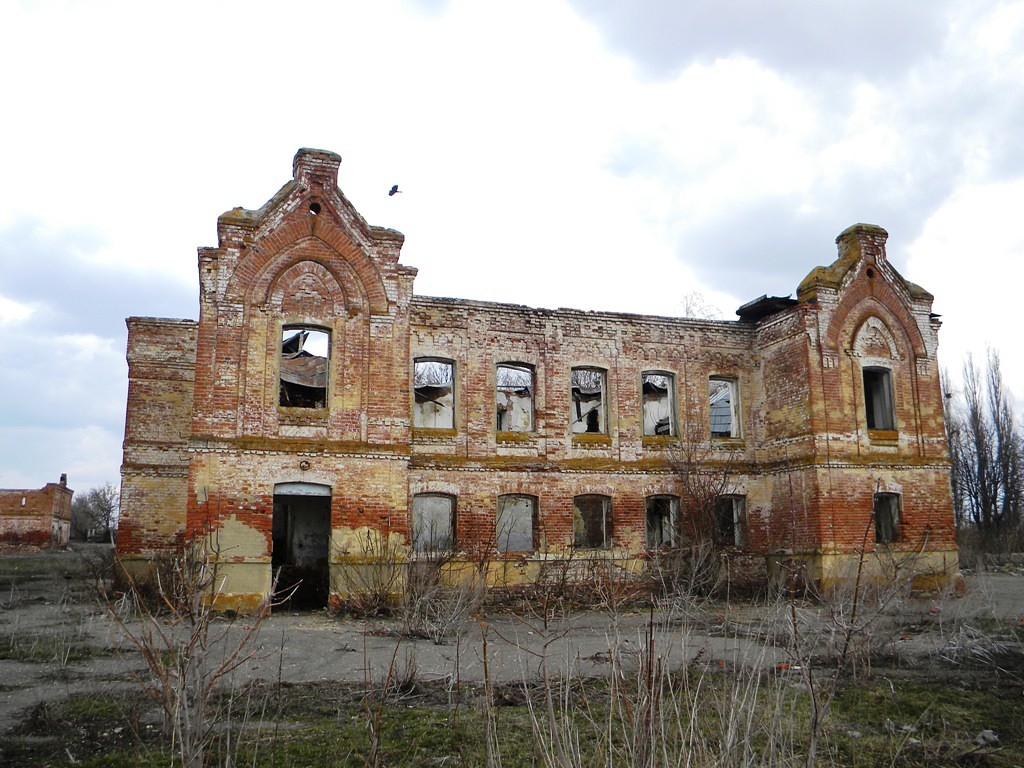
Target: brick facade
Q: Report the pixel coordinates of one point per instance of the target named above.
(832, 399)
(39, 517)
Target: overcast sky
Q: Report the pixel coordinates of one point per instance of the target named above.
(597, 155)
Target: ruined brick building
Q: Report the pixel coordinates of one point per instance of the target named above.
(319, 409)
(37, 517)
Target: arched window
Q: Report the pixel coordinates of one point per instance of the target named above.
(433, 522)
(515, 523)
(433, 382)
(513, 396)
(592, 522)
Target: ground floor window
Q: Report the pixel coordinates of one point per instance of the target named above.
(661, 515)
(731, 521)
(433, 522)
(592, 522)
(514, 523)
(887, 517)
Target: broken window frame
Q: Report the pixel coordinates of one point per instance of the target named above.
(294, 340)
(505, 387)
(592, 529)
(731, 520)
(669, 426)
(879, 406)
(511, 534)
(887, 513)
(731, 385)
(596, 417)
(426, 378)
(433, 542)
(661, 523)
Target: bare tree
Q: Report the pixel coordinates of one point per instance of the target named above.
(94, 513)
(986, 447)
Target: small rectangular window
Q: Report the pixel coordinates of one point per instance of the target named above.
(723, 403)
(887, 517)
(514, 523)
(304, 355)
(661, 515)
(659, 403)
(514, 398)
(433, 522)
(589, 401)
(731, 521)
(878, 399)
(592, 522)
(434, 394)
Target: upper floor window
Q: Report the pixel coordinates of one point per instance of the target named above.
(304, 367)
(878, 405)
(589, 400)
(659, 403)
(723, 406)
(592, 522)
(433, 522)
(515, 523)
(661, 516)
(887, 517)
(513, 397)
(731, 520)
(433, 382)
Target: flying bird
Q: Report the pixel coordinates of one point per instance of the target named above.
(394, 191)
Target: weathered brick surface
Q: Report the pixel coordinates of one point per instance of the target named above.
(39, 517)
(206, 441)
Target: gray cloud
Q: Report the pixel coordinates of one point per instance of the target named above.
(871, 37)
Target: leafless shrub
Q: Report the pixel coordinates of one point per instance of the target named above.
(371, 581)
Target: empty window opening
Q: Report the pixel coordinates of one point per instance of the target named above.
(314, 209)
(300, 539)
(723, 403)
(514, 398)
(731, 521)
(434, 392)
(661, 516)
(515, 523)
(659, 399)
(887, 517)
(592, 522)
(304, 354)
(588, 400)
(878, 398)
(433, 522)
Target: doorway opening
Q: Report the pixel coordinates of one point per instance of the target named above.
(301, 537)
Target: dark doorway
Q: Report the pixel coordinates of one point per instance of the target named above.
(301, 544)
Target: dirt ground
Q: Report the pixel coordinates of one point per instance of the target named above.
(56, 641)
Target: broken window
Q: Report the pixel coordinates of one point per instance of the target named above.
(661, 515)
(514, 525)
(433, 522)
(659, 400)
(887, 517)
(588, 400)
(433, 383)
(723, 402)
(592, 522)
(304, 354)
(731, 521)
(878, 398)
(514, 398)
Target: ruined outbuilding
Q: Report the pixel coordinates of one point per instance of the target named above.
(320, 413)
(39, 517)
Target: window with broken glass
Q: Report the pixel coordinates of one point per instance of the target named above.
(878, 399)
(433, 382)
(723, 407)
(514, 398)
(433, 522)
(887, 517)
(589, 401)
(659, 403)
(731, 521)
(592, 522)
(304, 367)
(515, 523)
(661, 515)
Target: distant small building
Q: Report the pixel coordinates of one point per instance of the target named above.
(36, 517)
